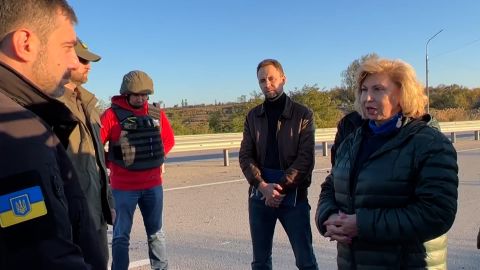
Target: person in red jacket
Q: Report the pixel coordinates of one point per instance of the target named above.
(138, 144)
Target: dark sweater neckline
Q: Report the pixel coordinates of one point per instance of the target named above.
(277, 104)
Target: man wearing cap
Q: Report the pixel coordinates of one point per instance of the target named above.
(138, 145)
(85, 148)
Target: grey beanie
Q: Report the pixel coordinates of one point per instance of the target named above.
(136, 82)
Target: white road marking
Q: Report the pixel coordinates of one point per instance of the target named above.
(222, 182)
(138, 263)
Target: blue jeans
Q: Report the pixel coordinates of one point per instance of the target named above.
(150, 202)
(295, 221)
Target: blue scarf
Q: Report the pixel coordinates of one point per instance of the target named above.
(386, 127)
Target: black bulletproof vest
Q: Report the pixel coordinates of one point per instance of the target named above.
(140, 145)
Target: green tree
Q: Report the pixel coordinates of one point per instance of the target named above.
(325, 109)
(199, 128)
(349, 79)
(339, 94)
(475, 97)
(452, 96)
(176, 122)
(216, 123)
(237, 118)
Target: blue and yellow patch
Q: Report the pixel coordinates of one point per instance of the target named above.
(22, 205)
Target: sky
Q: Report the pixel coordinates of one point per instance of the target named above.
(206, 51)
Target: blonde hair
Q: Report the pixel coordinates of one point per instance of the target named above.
(412, 95)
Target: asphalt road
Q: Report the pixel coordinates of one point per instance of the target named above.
(206, 217)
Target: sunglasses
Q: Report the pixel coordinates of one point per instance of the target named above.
(83, 61)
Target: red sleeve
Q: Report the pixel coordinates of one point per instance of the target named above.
(106, 119)
(167, 133)
(107, 122)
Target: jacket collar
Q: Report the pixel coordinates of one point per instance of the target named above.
(87, 98)
(26, 94)
(287, 111)
(18, 88)
(410, 127)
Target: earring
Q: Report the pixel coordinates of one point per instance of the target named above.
(399, 122)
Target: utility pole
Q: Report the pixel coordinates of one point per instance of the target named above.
(426, 69)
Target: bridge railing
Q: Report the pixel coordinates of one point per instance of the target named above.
(227, 141)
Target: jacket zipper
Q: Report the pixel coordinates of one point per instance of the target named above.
(279, 124)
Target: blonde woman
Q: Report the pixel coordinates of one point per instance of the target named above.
(392, 193)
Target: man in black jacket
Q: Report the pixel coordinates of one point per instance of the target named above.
(43, 211)
(277, 156)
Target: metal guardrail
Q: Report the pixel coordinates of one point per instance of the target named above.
(461, 126)
(226, 141)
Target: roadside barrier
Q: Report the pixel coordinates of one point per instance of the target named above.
(229, 141)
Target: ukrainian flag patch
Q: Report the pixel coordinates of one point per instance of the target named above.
(22, 205)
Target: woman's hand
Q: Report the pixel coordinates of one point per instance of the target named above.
(341, 227)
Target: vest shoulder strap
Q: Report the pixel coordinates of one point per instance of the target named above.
(155, 113)
(121, 113)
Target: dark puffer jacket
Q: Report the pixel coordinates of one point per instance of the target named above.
(345, 126)
(404, 198)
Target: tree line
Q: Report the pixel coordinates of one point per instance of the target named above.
(447, 103)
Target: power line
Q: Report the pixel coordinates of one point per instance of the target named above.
(459, 48)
